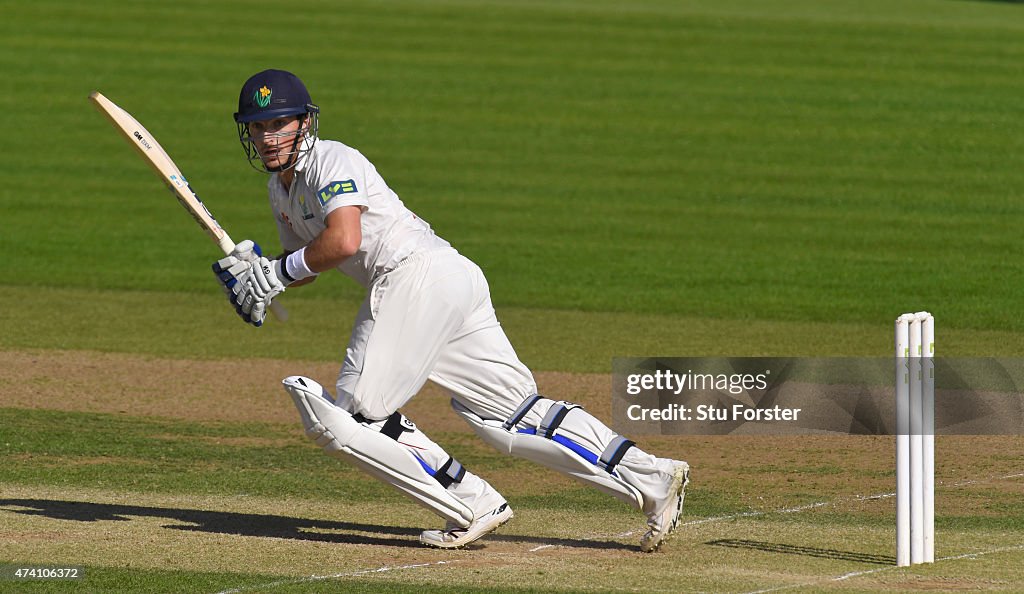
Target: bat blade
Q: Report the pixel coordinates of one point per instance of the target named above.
(154, 154)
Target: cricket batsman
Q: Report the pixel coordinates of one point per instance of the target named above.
(427, 315)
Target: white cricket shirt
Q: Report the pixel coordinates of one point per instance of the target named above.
(333, 175)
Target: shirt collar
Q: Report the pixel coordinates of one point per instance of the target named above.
(308, 145)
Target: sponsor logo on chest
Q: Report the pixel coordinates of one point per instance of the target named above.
(306, 213)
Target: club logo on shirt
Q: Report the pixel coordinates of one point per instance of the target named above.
(335, 188)
(262, 96)
(306, 214)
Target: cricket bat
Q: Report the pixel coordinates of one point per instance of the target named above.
(161, 162)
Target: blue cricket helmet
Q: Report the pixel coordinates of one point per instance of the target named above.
(271, 94)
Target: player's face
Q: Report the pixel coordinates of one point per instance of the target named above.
(276, 140)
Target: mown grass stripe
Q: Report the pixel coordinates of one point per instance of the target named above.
(198, 326)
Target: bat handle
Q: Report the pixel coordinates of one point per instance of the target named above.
(279, 311)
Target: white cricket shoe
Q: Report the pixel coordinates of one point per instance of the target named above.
(453, 537)
(664, 519)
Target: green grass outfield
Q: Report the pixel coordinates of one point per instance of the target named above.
(635, 178)
(797, 161)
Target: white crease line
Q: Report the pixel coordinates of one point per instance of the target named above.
(796, 509)
(317, 578)
(854, 574)
(599, 535)
(723, 518)
(1019, 547)
(788, 510)
(873, 497)
(752, 514)
(805, 507)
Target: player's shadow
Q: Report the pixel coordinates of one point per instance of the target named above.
(259, 525)
(773, 547)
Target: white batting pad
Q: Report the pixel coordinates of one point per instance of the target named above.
(341, 436)
(557, 456)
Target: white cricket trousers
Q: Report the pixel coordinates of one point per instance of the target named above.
(432, 318)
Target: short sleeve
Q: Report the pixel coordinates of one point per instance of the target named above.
(342, 182)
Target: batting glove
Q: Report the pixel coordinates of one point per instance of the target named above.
(232, 271)
(264, 282)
